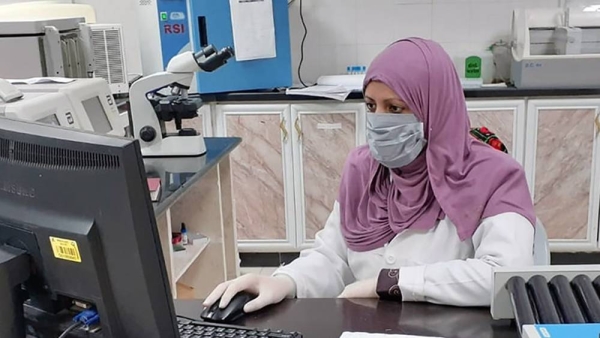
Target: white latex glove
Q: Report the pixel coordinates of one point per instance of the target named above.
(270, 290)
(362, 289)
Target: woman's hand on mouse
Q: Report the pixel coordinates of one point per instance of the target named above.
(269, 290)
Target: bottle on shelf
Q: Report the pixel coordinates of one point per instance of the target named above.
(184, 235)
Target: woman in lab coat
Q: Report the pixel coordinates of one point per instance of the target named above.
(424, 210)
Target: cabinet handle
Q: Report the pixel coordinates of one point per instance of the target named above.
(283, 130)
(298, 128)
(597, 121)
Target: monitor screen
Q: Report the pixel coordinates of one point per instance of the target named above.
(97, 115)
(50, 119)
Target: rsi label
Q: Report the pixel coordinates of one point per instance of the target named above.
(176, 28)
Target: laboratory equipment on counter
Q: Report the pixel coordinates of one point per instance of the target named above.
(52, 47)
(166, 33)
(150, 109)
(555, 47)
(51, 108)
(100, 46)
(549, 301)
(79, 103)
(211, 23)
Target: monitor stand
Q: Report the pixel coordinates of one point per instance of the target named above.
(14, 270)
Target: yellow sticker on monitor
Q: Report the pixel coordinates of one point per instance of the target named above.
(65, 249)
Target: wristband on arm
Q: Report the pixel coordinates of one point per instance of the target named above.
(387, 285)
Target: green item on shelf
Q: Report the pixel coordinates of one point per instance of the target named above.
(473, 67)
(178, 247)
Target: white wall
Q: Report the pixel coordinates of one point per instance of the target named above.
(352, 32)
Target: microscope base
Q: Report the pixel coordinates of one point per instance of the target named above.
(176, 146)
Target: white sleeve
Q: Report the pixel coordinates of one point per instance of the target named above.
(322, 271)
(501, 240)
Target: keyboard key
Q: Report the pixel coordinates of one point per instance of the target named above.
(194, 329)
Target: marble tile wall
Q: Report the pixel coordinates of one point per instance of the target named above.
(258, 177)
(563, 171)
(500, 122)
(327, 140)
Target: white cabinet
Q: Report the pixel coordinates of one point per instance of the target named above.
(562, 166)
(505, 118)
(263, 180)
(323, 136)
(286, 171)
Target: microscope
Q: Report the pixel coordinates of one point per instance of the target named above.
(151, 108)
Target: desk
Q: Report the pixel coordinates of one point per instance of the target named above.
(328, 318)
(197, 191)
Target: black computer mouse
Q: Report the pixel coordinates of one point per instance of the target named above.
(232, 312)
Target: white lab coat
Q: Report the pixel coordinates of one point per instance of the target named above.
(435, 265)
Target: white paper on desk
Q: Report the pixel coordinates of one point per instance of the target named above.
(378, 335)
(253, 29)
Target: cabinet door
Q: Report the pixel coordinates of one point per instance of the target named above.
(202, 123)
(323, 136)
(562, 163)
(262, 175)
(504, 118)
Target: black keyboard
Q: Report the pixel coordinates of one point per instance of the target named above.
(189, 328)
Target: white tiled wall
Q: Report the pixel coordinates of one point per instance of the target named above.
(352, 32)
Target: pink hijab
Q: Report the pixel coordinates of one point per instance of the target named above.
(455, 176)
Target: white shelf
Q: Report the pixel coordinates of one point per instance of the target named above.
(182, 260)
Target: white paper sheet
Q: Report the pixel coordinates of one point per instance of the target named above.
(331, 92)
(378, 335)
(253, 29)
(38, 80)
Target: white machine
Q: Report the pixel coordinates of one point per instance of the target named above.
(55, 47)
(555, 47)
(82, 48)
(150, 109)
(50, 108)
(79, 103)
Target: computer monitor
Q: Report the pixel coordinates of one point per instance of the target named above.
(77, 227)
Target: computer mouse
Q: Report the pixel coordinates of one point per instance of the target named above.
(231, 313)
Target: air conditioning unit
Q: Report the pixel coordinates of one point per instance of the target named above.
(109, 56)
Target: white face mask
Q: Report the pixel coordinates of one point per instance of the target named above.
(395, 140)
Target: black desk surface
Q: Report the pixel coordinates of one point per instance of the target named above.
(328, 318)
(183, 172)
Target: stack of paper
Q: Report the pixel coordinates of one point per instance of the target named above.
(378, 335)
(339, 93)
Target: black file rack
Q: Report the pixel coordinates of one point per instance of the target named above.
(557, 301)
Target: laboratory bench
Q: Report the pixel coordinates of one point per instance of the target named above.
(287, 170)
(483, 92)
(317, 318)
(197, 191)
